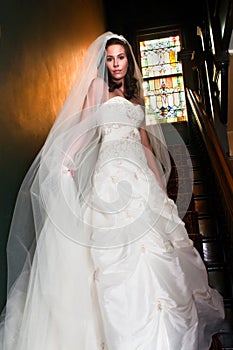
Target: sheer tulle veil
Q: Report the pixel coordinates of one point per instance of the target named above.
(71, 146)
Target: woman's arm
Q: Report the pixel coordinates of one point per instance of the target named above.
(150, 156)
(97, 91)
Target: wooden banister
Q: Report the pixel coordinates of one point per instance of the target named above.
(219, 161)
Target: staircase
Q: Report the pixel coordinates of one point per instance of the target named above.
(202, 218)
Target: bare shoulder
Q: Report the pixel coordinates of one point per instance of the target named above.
(98, 83)
(97, 91)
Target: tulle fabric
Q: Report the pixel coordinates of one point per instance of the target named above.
(72, 143)
(76, 262)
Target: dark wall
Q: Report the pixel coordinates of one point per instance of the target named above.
(42, 44)
(128, 17)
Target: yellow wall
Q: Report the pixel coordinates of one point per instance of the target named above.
(230, 108)
(43, 56)
(42, 45)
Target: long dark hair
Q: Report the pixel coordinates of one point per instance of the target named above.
(130, 86)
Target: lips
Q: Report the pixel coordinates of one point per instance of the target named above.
(116, 71)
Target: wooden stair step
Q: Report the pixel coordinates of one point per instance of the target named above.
(220, 279)
(197, 173)
(226, 336)
(199, 188)
(212, 251)
(195, 161)
(207, 226)
(202, 205)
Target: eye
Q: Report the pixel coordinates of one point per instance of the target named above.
(109, 59)
(122, 57)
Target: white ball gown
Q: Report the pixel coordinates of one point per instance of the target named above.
(133, 281)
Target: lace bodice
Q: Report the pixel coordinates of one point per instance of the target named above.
(120, 118)
(120, 122)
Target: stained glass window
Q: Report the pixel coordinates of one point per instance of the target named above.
(163, 80)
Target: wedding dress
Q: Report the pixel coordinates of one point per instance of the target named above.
(133, 280)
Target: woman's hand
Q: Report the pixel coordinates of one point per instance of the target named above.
(66, 170)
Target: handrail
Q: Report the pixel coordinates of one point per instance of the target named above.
(220, 163)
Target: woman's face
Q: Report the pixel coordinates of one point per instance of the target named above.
(117, 62)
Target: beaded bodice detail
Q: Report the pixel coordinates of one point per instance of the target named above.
(118, 113)
(120, 123)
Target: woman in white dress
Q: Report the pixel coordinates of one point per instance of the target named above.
(100, 258)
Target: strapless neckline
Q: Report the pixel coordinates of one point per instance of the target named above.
(124, 99)
(118, 110)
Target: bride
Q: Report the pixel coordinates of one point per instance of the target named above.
(98, 257)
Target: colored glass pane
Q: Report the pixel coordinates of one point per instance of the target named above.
(159, 56)
(163, 80)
